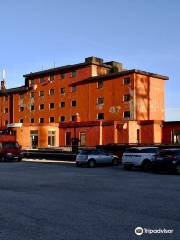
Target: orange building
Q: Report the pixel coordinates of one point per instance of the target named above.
(97, 102)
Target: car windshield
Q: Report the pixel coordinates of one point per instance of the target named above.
(132, 150)
(10, 145)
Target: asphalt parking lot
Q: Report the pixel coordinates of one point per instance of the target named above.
(52, 201)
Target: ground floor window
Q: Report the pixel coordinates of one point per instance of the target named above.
(51, 138)
(68, 138)
(82, 138)
(176, 137)
(34, 138)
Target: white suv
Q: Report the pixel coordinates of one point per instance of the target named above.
(139, 157)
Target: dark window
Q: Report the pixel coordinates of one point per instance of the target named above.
(6, 122)
(100, 101)
(132, 150)
(100, 116)
(127, 114)
(51, 92)
(42, 79)
(62, 104)
(21, 120)
(150, 150)
(73, 74)
(41, 120)
(51, 77)
(31, 82)
(73, 103)
(21, 109)
(32, 107)
(51, 105)
(6, 98)
(126, 80)
(41, 93)
(73, 118)
(126, 97)
(41, 107)
(100, 84)
(62, 91)
(32, 120)
(62, 119)
(74, 88)
(68, 138)
(63, 75)
(6, 110)
(51, 119)
(32, 94)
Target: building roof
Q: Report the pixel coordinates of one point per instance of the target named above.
(15, 90)
(118, 74)
(65, 68)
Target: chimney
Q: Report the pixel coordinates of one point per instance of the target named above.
(94, 60)
(116, 66)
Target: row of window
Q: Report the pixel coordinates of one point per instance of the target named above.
(52, 77)
(100, 84)
(100, 116)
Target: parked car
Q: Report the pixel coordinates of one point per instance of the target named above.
(93, 157)
(10, 151)
(167, 159)
(139, 157)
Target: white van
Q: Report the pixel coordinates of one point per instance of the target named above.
(139, 157)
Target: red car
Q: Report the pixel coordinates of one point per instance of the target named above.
(10, 151)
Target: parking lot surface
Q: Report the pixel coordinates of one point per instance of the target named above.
(52, 201)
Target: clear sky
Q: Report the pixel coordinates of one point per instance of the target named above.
(142, 34)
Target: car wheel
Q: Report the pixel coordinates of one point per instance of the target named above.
(3, 159)
(19, 159)
(115, 161)
(127, 167)
(91, 163)
(78, 165)
(178, 169)
(146, 165)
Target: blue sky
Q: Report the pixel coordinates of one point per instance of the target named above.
(142, 34)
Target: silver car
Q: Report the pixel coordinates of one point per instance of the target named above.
(93, 157)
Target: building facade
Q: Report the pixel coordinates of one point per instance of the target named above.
(95, 101)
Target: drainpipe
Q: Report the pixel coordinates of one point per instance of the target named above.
(100, 133)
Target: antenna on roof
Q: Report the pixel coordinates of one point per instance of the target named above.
(54, 64)
(4, 75)
(3, 82)
(42, 67)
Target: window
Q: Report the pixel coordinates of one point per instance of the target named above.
(41, 93)
(51, 77)
(100, 84)
(100, 116)
(73, 118)
(32, 94)
(6, 110)
(21, 120)
(21, 109)
(62, 91)
(126, 97)
(31, 120)
(82, 138)
(6, 122)
(41, 120)
(62, 104)
(51, 138)
(51, 119)
(31, 81)
(73, 103)
(42, 79)
(21, 96)
(51, 92)
(32, 107)
(63, 75)
(51, 105)
(62, 119)
(127, 114)
(74, 88)
(6, 98)
(41, 106)
(100, 101)
(73, 74)
(126, 80)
